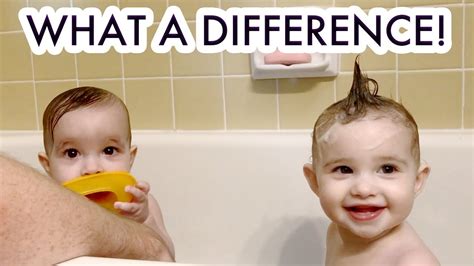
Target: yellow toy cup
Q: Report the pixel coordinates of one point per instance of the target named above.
(104, 188)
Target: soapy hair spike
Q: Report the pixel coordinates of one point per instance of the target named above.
(360, 96)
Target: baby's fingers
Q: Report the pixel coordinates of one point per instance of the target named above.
(143, 186)
(138, 195)
(126, 207)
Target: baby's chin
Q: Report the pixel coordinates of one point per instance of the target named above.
(370, 234)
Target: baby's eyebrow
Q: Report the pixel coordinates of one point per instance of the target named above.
(336, 161)
(64, 143)
(393, 158)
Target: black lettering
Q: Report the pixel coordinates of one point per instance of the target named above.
(206, 30)
(315, 32)
(107, 34)
(89, 29)
(419, 29)
(375, 36)
(136, 29)
(335, 29)
(247, 27)
(290, 28)
(269, 28)
(179, 34)
(389, 30)
(46, 25)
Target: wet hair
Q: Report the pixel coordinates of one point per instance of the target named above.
(358, 104)
(74, 99)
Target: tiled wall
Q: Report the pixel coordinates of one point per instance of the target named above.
(215, 91)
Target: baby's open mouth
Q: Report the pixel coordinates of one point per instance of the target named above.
(364, 212)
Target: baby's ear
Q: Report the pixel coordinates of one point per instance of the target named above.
(44, 161)
(133, 153)
(311, 178)
(421, 177)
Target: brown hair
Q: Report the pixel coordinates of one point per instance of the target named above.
(71, 100)
(358, 103)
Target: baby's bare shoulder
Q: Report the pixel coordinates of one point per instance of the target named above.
(419, 256)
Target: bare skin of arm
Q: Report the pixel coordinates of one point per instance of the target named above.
(155, 221)
(43, 223)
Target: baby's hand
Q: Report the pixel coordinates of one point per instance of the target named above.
(137, 209)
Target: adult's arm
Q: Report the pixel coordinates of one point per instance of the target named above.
(42, 223)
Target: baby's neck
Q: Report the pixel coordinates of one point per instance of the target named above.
(349, 241)
(345, 248)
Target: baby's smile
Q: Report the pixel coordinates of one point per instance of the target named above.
(362, 213)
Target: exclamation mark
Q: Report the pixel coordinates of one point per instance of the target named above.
(441, 30)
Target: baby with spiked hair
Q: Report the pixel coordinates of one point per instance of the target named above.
(366, 171)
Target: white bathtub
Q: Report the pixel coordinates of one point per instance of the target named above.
(241, 197)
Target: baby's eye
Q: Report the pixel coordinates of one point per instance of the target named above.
(387, 169)
(71, 153)
(344, 169)
(110, 150)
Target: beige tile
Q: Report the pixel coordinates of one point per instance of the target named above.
(94, 66)
(469, 1)
(385, 81)
(190, 7)
(54, 67)
(366, 3)
(114, 86)
(301, 101)
(9, 14)
(321, 3)
(195, 63)
(469, 37)
(433, 98)
(16, 57)
(52, 3)
(469, 99)
(45, 93)
(157, 6)
(369, 61)
(199, 103)
(149, 63)
(236, 64)
(426, 2)
(17, 106)
(451, 59)
(225, 4)
(250, 104)
(149, 102)
(102, 4)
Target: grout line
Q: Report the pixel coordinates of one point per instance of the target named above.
(335, 89)
(123, 80)
(173, 108)
(122, 65)
(234, 76)
(224, 106)
(35, 96)
(76, 70)
(10, 32)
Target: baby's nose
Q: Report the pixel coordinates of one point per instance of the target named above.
(92, 166)
(363, 187)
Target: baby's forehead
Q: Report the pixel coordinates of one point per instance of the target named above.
(115, 108)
